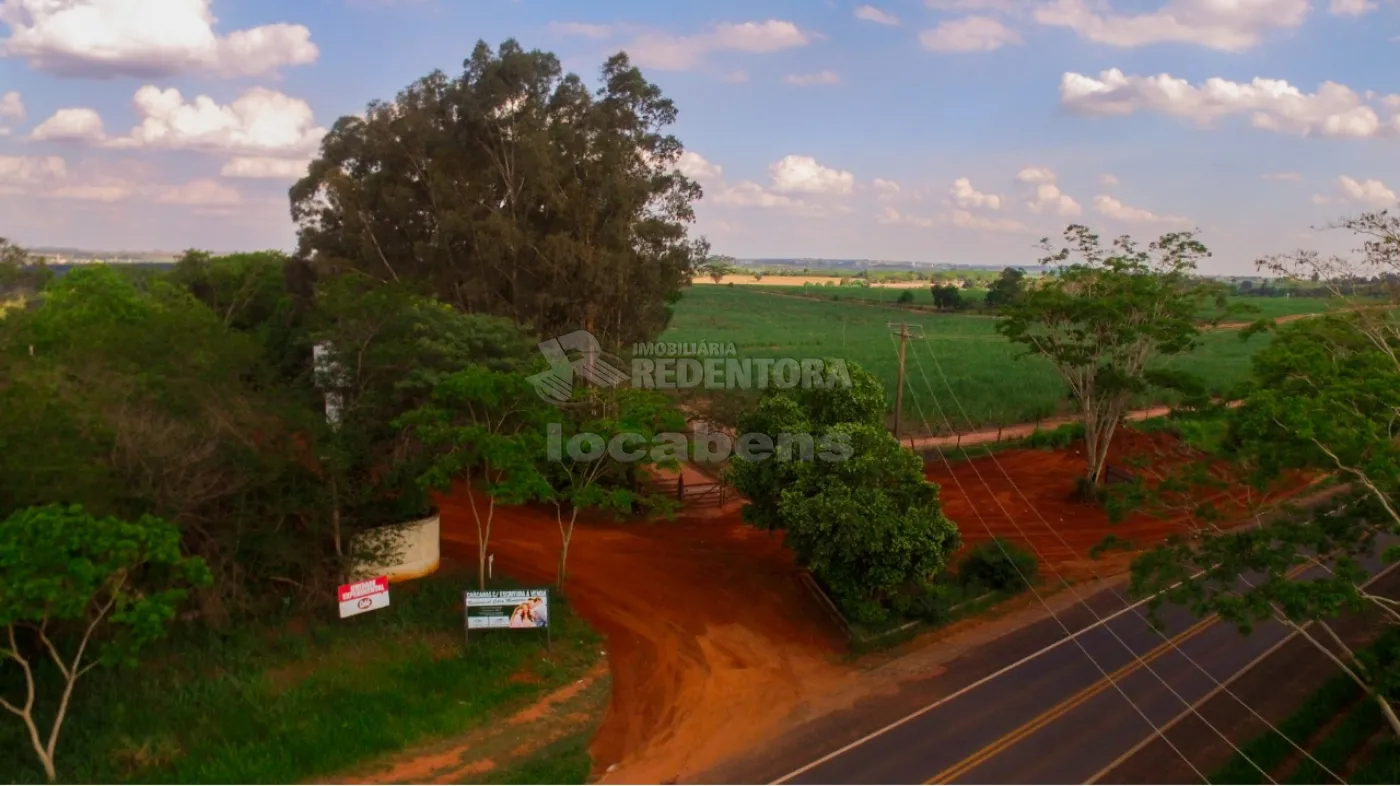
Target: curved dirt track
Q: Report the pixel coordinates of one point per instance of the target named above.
(711, 640)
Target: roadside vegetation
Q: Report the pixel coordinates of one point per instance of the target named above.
(297, 696)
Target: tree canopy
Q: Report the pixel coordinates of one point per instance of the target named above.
(1101, 316)
(512, 189)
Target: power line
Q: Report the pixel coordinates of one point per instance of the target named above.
(1065, 544)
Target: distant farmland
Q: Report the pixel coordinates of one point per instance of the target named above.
(986, 376)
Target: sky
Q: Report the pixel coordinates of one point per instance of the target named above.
(953, 131)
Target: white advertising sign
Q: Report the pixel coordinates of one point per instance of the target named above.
(363, 596)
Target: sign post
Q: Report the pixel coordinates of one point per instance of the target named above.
(507, 609)
(364, 596)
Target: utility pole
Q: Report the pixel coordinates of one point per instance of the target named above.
(903, 331)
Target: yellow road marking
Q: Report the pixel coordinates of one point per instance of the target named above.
(1054, 713)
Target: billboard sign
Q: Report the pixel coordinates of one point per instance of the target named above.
(363, 596)
(528, 609)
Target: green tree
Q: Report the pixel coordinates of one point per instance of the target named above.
(484, 432)
(21, 275)
(869, 526)
(514, 190)
(1103, 318)
(83, 591)
(608, 484)
(385, 348)
(852, 502)
(947, 296)
(130, 397)
(1321, 398)
(717, 267)
(1006, 288)
(799, 411)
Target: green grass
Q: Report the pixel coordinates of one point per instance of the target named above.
(284, 705)
(1336, 749)
(1339, 693)
(985, 371)
(1271, 748)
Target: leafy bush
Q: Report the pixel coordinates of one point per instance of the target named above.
(997, 566)
(1056, 438)
(905, 297)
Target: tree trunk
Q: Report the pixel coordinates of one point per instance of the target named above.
(335, 515)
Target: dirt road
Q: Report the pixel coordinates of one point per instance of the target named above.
(711, 640)
(713, 643)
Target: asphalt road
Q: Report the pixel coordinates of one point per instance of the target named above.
(1061, 711)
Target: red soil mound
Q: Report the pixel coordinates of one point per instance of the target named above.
(1026, 496)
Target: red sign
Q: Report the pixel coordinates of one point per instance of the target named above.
(363, 596)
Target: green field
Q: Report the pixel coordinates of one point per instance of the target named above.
(987, 377)
(1249, 308)
(923, 296)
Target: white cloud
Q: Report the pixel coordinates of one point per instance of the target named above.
(11, 111)
(668, 52)
(750, 194)
(802, 174)
(1108, 179)
(1367, 193)
(49, 177)
(964, 195)
(1351, 7)
(694, 166)
(580, 29)
(1046, 196)
(1273, 104)
(197, 193)
(1288, 177)
(144, 38)
(886, 188)
(971, 34)
(735, 77)
(1035, 174)
(1112, 208)
(1230, 25)
(18, 171)
(889, 215)
(999, 6)
(966, 220)
(1049, 198)
(818, 78)
(870, 13)
(265, 168)
(75, 124)
(260, 122)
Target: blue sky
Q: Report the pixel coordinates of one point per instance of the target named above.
(933, 130)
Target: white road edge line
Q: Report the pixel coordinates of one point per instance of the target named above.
(959, 692)
(1213, 692)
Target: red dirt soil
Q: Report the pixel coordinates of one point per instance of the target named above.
(713, 643)
(1035, 507)
(711, 639)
